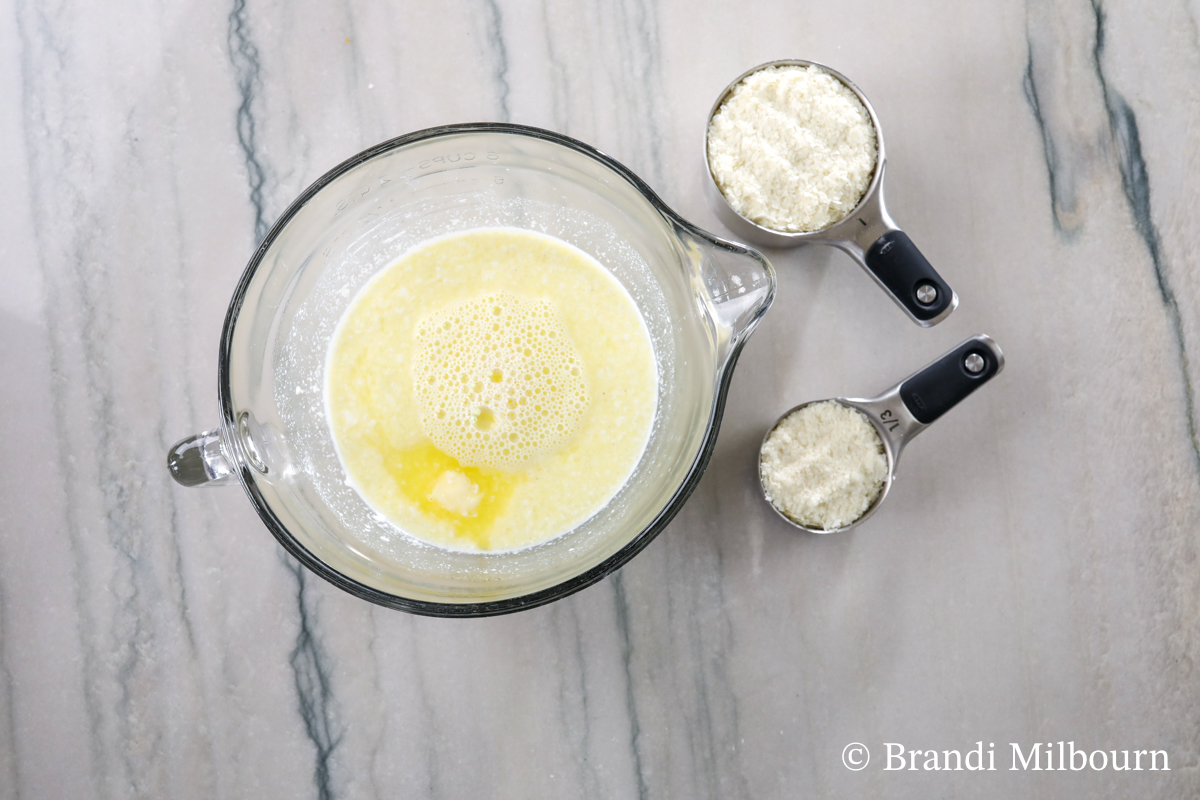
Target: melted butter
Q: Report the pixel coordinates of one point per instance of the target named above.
(417, 473)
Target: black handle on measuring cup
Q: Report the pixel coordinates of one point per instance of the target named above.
(901, 268)
(939, 387)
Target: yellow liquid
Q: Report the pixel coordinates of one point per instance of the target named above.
(491, 389)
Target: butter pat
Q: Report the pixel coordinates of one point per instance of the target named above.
(454, 492)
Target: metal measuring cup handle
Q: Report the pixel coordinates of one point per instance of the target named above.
(872, 238)
(916, 402)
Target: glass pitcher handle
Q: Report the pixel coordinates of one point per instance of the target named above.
(200, 461)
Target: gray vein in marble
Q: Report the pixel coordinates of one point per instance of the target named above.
(495, 38)
(185, 616)
(635, 732)
(432, 765)
(314, 688)
(1063, 170)
(714, 736)
(243, 54)
(1049, 150)
(378, 743)
(727, 777)
(38, 39)
(1134, 177)
(308, 660)
(165, 439)
(641, 50)
(1135, 180)
(560, 102)
(71, 516)
(592, 785)
(1058, 92)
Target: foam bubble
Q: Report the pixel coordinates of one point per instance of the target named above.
(498, 380)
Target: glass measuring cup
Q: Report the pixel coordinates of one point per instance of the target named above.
(699, 296)
(867, 234)
(909, 407)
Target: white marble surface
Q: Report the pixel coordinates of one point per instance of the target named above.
(1034, 577)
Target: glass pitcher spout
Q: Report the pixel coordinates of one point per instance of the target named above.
(734, 284)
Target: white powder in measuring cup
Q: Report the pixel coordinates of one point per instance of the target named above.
(823, 465)
(792, 148)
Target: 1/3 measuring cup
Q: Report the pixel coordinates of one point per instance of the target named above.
(868, 233)
(911, 406)
(700, 298)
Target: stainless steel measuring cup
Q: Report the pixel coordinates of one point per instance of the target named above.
(911, 406)
(868, 233)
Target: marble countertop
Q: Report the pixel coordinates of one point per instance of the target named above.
(1033, 578)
